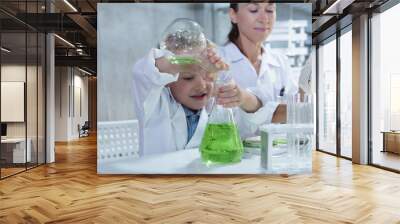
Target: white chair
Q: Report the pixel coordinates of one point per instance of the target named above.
(117, 140)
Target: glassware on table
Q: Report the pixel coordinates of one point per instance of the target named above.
(221, 143)
(279, 156)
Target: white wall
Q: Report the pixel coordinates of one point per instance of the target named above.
(80, 109)
(70, 83)
(33, 126)
(12, 73)
(61, 103)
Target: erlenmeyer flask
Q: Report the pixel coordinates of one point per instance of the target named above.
(221, 143)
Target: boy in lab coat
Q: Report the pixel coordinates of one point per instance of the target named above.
(170, 101)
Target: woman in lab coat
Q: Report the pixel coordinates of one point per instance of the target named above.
(254, 66)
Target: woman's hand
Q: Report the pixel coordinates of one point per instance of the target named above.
(231, 95)
(280, 114)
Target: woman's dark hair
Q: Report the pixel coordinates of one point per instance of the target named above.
(234, 33)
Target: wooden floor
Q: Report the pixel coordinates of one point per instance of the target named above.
(70, 191)
(10, 171)
(5, 172)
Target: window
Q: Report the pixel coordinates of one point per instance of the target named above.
(385, 89)
(22, 78)
(327, 96)
(346, 93)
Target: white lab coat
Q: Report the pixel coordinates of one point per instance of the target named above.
(162, 120)
(273, 76)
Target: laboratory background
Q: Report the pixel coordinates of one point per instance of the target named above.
(126, 32)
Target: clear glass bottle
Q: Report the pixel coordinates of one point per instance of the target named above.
(221, 143)
(186, 40)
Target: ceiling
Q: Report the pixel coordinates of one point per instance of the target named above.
(76, 22)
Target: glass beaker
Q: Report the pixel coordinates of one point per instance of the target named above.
(277, 156)
(221, 143)
(293, 105)
(309, 108)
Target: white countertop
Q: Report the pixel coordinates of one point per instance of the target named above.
(182, 162)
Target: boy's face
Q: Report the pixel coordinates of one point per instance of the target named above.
(192, 90)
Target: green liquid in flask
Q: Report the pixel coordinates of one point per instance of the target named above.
(221, 144)
(183, 60)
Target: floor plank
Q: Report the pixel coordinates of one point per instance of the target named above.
(70, 191)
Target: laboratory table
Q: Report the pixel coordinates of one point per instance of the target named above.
(185, 162)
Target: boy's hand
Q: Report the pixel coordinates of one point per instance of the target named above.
(211, 62)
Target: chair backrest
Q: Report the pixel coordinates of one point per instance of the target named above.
(117, 140)
(86, 125)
